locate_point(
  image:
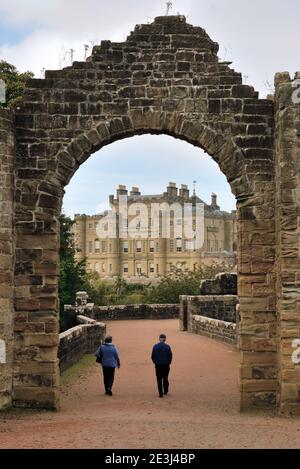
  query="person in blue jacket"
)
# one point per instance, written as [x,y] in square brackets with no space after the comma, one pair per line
[162,359]
[107,354]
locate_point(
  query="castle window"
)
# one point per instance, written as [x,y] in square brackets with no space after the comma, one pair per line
[125,247]
[125,268]
[152,268]
[104,247]
[139,246]
[90,247]
[179,245]
[97,246]
[152,246]
[139,269]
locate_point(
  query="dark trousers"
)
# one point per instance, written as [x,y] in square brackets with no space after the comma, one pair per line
[108,376]
[162,374]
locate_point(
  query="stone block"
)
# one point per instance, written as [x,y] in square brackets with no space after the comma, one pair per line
[36,397]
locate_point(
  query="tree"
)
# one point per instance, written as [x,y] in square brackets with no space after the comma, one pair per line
[72,273]
[95,288]
[173,285]
[15,83]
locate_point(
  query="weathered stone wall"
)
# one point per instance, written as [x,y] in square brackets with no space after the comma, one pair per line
[287,100]
[128,312]
[7,161]
[223,284]
[220,307]
[213,328]
[165,79]
[79,340]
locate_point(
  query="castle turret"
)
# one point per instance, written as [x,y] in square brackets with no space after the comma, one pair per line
[214,202]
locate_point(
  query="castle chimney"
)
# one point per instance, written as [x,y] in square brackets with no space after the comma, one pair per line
[135,191]
[184,192]
[214,202]
[172,189]
[122,190]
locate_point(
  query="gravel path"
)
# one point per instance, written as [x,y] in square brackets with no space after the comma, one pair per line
[200,412]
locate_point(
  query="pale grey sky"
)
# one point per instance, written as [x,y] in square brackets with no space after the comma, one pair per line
[260,37]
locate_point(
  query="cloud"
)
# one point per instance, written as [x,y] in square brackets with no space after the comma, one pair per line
[41,49]
[77,18]
[57,26]
[259,36]
[149,162]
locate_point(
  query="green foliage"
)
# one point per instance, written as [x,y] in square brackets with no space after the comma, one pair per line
[117,293]
[173,285]
[134,299]
[15,83]
[120,286]
[168,291]
[95,288]
[72,273]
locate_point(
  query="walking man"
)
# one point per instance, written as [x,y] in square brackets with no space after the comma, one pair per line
[107,354]
[162,359]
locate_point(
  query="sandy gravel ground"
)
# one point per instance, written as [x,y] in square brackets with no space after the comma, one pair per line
[200,412]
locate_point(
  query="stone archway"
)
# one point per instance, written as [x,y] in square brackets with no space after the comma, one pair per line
[165,79]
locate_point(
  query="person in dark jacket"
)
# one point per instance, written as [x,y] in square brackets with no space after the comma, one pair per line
[108,356]
[162,359]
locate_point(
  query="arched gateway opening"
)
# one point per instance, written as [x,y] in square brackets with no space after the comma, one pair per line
[165,79]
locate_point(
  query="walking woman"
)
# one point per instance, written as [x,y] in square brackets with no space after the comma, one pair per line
[107,354]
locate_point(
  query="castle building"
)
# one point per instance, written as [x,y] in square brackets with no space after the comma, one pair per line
[152,255]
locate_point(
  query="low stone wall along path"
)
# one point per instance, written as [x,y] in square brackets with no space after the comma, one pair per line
[200,412]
